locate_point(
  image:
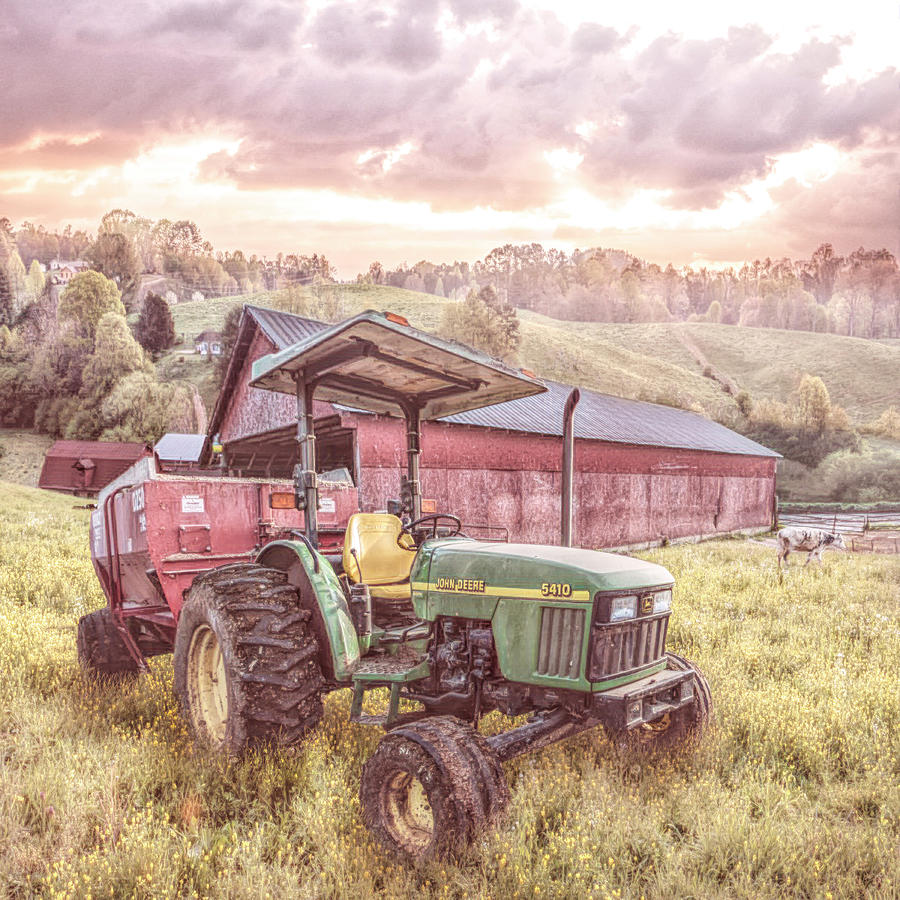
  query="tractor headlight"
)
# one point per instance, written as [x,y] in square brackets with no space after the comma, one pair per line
[623,608]
[662,601]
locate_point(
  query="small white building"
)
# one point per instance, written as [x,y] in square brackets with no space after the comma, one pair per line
[208,343]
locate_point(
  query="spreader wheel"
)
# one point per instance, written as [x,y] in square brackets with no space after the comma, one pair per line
[101,649]
[246,669]
[432,787]
[674,729]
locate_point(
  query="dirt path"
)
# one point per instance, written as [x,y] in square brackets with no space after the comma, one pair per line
[687,342]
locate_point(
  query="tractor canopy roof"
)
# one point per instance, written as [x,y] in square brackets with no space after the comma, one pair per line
[378,362]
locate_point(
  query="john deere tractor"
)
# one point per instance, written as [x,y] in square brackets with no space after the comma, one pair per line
[453,628]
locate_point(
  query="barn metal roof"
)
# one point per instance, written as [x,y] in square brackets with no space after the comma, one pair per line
[175,447]
[597,417]
[602,417]
[284,329]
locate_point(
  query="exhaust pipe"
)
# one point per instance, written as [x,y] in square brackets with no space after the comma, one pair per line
[568,466]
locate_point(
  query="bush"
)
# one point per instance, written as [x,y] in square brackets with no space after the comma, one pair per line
[886,425]
[805,445]
[861,477]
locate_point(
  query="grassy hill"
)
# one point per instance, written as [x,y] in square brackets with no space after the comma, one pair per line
[22,455]
[657,362]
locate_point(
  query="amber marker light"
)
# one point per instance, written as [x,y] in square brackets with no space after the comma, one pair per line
[282,500]
[396,319]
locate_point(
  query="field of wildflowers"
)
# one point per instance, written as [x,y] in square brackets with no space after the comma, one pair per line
[794,792]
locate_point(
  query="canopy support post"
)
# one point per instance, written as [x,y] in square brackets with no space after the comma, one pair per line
[306,487]
[412,494]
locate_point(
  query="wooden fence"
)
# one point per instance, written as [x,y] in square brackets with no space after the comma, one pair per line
[860,530]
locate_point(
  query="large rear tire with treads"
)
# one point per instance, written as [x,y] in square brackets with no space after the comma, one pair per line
[246,661]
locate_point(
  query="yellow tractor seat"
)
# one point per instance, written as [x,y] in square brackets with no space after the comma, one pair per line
[383,555]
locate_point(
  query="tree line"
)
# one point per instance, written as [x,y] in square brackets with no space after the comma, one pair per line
[127,246]
[856,295]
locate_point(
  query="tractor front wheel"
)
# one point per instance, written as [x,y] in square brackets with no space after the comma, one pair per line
[674,729]
[246,669]
[430,788]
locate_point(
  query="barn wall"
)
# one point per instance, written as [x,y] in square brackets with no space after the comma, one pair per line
[624,494]
[252,411]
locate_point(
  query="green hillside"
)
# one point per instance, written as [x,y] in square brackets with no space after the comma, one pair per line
[661,362]
[22,455]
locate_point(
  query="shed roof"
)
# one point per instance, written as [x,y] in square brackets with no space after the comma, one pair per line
[96,450]
[379,361]
[66,461]
[175,447]
[597,417]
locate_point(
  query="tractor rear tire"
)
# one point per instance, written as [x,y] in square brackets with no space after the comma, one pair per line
[431,788]
[677,729]
[101,650]
[246,663]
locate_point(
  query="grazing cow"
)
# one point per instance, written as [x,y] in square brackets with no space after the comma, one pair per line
[810,539]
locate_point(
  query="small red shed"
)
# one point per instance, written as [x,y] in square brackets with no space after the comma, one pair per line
[644,473]
[84,467]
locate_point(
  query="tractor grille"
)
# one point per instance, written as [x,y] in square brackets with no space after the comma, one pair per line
[620,648]
[562,633]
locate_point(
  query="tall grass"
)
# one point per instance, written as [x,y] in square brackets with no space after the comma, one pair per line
[793,793]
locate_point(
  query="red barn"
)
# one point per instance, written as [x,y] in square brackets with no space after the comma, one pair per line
[84,467]
[644,473]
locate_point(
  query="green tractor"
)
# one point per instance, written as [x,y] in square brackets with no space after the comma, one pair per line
[456,628]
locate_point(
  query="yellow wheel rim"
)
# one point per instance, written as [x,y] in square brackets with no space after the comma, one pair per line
[649,730]
[207,685]
[408,813]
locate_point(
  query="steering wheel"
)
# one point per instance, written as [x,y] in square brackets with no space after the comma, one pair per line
[434,519]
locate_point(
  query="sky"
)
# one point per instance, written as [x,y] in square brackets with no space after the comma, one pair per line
[697,134]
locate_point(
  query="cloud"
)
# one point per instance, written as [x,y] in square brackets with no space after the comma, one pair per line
[484,94]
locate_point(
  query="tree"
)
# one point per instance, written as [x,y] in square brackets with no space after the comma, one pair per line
[88,297]
[7,296]
[813,403]
[484,322]
[139,408]
[116,354]
[820,272]
[155,329]
[34,282]
[114,256]
[229,338]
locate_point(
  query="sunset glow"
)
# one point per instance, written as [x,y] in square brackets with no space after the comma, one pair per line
[441,130]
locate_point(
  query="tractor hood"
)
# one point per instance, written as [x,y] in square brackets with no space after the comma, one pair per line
[378,362]
[528,571]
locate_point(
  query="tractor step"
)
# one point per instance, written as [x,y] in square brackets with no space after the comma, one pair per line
[390,669]
[385,671]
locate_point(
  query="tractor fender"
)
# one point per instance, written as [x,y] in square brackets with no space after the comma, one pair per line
[321,593]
